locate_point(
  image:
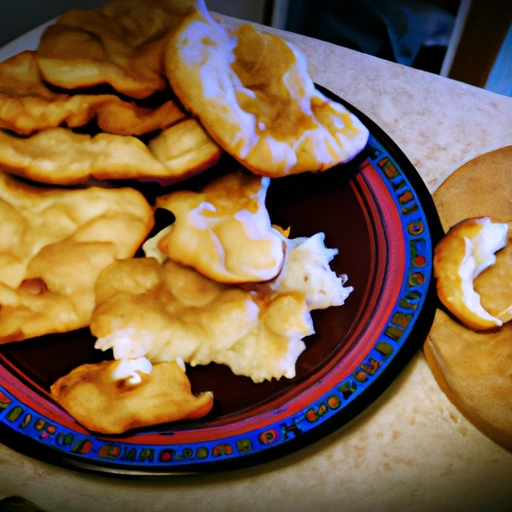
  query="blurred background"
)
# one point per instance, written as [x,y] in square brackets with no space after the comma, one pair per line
[467,40]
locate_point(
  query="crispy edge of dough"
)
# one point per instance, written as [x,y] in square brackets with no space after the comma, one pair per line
[164,390]
[58,156]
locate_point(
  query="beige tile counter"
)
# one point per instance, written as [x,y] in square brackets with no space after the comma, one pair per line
[412,449]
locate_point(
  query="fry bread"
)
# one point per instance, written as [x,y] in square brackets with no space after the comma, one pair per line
[120,44]
[474,368]
[224,232]
[254,96]
[60,156]
[167,312]
[28,105]
[53,245]
[103,404]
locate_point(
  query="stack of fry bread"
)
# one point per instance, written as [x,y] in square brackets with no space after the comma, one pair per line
[160,91]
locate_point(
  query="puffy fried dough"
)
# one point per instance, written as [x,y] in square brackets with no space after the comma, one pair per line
[167,312]
[120,44]
[101,403]
[53,245]
[124,118]
[185,149]
[494,285]
[254,96]
[60,156]
[474,368]
[468,250]
[224,232]
[475,372]
[28,105]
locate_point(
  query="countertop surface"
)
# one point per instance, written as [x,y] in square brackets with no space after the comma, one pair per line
[411,449]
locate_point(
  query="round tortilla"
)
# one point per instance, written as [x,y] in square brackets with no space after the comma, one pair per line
[475,369]
[479,188]
[475,372]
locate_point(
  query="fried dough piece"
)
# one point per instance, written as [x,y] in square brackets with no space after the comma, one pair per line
[475,372]
[474,368]
[126,118]
[168,312]
[254,96]
[482,188]
[104,404]
[468,250]
[224,232]
[493,285]
[120,44]
[60,156]
[53,245]
[28,105]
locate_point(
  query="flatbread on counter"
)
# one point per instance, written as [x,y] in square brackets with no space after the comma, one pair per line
[479,188]
[224,231]
[474,368]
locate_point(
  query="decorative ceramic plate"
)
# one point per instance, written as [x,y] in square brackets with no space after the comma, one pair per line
[378,213]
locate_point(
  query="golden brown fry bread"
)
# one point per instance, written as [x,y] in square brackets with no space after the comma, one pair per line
[475,372]
[167,312]
[224,232]
[60,156]
[494,285]
[469,249]
[27,105]
[103,404]
[474,368]
[254,96]
[53,245]
[185,149]
[120,44]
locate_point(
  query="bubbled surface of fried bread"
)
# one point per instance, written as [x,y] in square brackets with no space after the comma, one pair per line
[224,231]
[471,366]
[120,44]
[106,405]
[53,245]
[59,156]
[253,94]
[167,312]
